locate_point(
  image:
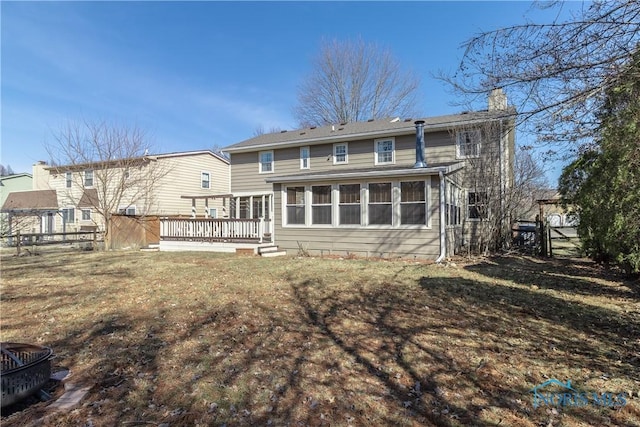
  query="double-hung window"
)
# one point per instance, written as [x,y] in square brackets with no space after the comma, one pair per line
[349,206]
[68,179]
[468,143]
[304,158]
[205,179]
[413,203]
[477,205]
[321,204]
[88,178]
[266,161]
[68,215]
[380,205]
[86,214]
[340,153]
[295,205]
[384,151]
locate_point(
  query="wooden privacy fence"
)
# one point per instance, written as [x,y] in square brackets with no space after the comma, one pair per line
[134,231]
[214,229]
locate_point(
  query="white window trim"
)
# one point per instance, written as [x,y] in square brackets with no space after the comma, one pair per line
[375,151]
[69,208]
[202,173]
[477,137]
[346,153]
[215,213]
[308,158]
[285,216]
[364,206]
[68,179]
[273,161]
[82,211]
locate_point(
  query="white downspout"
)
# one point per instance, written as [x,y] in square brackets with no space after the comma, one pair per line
[443,229]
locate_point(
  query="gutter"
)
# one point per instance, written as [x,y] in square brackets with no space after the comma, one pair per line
[443,230]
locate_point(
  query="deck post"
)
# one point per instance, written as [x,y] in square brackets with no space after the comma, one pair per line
[261,229]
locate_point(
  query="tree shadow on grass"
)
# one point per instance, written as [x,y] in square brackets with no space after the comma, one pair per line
[580,277]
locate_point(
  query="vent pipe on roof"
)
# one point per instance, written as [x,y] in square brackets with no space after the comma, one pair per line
[420,163]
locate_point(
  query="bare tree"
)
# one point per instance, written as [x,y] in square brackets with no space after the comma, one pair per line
[354,81]
[500,182]
[110,168]
[555,72]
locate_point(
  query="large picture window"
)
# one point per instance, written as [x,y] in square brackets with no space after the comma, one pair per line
[413,206]
[380,203]
[295,205]
[321,204]
[349,206]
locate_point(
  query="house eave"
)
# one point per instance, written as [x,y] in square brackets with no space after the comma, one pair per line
[358,174]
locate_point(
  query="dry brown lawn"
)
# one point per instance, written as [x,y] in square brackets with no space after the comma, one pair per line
[199,339]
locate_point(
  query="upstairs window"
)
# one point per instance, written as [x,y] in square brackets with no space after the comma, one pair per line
[380,204]
[340,154]
[295,205]
[88,178]
[468,144]
[384,151]
[321,204]
[349,206]
[266,162]
[304,158]
[205,180]
[413,203]
[68,179]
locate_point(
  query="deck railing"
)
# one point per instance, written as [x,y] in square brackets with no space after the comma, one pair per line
[214,229]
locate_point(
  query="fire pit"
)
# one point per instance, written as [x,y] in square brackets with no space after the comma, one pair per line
[26,368]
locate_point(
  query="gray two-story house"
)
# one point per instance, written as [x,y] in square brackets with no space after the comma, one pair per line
[382,188]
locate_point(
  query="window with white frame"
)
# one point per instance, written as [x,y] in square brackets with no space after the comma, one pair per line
[384,151]
[349,206]
[477,205]
[245,206]
[86,214]
[295,205]
[205,180]
[468,143]
[266,161]
[340,153]
[380,207]
[413,203]
[88,178]
[304,158]
[68,215]
[213,213]
[127,210]
[321,204]
[68,177]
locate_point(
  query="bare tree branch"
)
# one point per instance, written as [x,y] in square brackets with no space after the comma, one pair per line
[354,81]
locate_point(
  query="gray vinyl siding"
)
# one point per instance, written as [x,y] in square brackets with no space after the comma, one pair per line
[366,241]
[245,176]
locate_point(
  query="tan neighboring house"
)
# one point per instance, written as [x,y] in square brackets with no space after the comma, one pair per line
[9,184]
[382,188]
[179,185]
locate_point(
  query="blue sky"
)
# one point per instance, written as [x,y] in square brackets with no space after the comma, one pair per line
[195,75]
